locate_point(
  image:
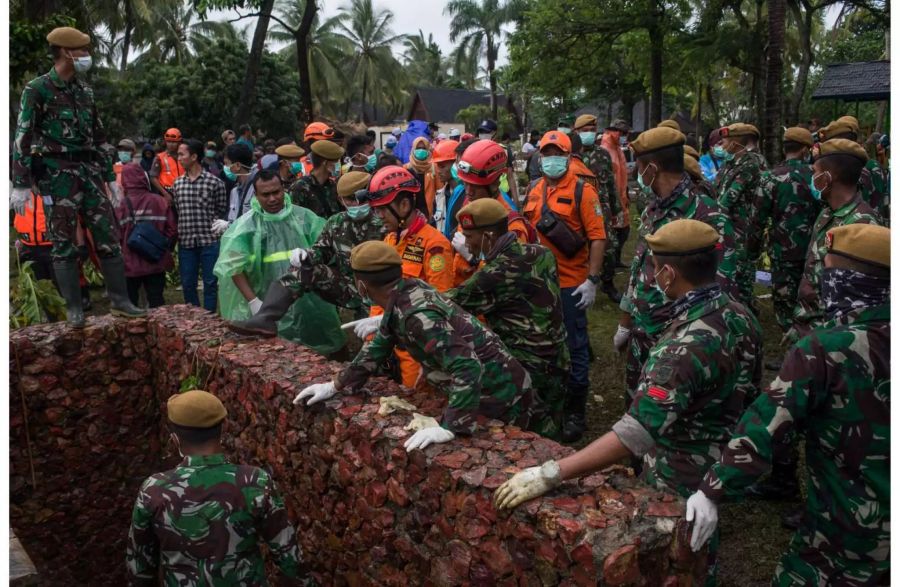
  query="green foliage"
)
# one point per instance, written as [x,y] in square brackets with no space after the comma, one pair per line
[203,6]
[188,383]
[32,301]
[28,52]
[473,115]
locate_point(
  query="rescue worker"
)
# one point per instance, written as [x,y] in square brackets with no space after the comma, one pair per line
[567,215]
[487,130]
[314,131]
[456,199]
[32,239]
[444,159]
[834,387]
[166,168]
[316,191]
[422,167]
[612,142]
[56,153]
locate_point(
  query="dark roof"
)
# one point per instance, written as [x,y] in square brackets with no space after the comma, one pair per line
[859,82]
[442,104]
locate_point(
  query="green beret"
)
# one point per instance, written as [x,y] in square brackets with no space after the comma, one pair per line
[867,243]
[373,257]
[352,182]
[327,150]
[842,147]
[195,409]
[68,38]
[290,151]
[683,237]
[481,213]
[656,139]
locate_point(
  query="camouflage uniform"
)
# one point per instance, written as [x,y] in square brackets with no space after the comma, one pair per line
[647,305]
[57,153]
[875,189]
[458,355]
[202,523]
[739,186]
[598,161]
[835,387]
[808,313]
[517,292]
[320,198]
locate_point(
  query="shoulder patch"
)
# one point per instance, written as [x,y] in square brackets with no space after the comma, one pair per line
[658,393]
[437,263]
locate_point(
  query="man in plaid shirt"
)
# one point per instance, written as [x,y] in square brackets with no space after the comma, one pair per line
[200,199]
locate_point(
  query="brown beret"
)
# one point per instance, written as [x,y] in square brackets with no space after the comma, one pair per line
[838,127]
[683,237]
[843,147]
[740,129]
[374,256]
[798,134]
[127,144]
[327,150]
[290,151]
[850,121]
[866,243]
[351,182]
[68,38]
[689,150]
[481,213]
[669,124]
[584,120]
[692,166]
[656,139]
[195,409]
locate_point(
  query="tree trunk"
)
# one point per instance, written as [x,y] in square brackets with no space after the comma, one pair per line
[492,78]
[248,89]
[362,101]
[774,71]
[711,99]
[656,63]
[302,40]
[126,41]
[698,127]
[804,24]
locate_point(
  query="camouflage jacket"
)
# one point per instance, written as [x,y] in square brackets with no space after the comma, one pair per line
[203,522]
[834,386]
[740,192]
[792,209]
[320,198]
[705,369]
[598,161]
[646,304]
[458,354]
[809,312]
[57,117]
[875,189]
[517,292]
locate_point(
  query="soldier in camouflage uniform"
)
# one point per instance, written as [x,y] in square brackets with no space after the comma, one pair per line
[317,190]
[683,412]
[57,153]
[835,387]
[202,522]
[516,291]
[739,186]
[835,180]
[645,310]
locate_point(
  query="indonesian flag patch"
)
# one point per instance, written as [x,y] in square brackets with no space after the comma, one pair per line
[658,393]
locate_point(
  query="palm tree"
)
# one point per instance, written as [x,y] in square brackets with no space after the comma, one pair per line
[170,32]
[424,61]
[482,27]
[464,63]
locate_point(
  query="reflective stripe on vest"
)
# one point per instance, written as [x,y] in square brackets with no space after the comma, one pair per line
[31,226]
[167,176]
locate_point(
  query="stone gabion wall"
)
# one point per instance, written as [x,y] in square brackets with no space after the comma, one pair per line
[367,512]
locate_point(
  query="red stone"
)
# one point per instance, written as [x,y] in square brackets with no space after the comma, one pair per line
[670,509]
[621,567]
[495,556]
[453,460]
[569,530]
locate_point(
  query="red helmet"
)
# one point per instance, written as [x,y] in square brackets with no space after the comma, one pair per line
[173,134]
[444,151]
[390,181]
[482,163]
[317,131]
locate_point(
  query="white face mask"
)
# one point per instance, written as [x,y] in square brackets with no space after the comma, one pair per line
[81,64]
[177,444]
[662,290]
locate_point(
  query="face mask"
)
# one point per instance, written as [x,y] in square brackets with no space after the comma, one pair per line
[82,64]
[421,154]
[371,162]
[719,152]
[296,168]
[177,444]
[588,138]
[364,294]
[359,212]
[646,188]
[816,192]
[656,282]
[124,156]
[554,166]
[231,175]
[485,136]
[623,141]
[210,154]
[336,171]
[454,172]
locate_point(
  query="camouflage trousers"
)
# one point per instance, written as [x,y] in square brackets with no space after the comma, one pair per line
[746,277]
[804,565]
[786,276]
[610,254]
[550,389]
[77,191]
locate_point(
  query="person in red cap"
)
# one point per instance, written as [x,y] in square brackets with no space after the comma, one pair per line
[166,168]
[443,157]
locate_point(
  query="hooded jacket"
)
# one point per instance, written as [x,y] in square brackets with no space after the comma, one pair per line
[148,207]
[415,129]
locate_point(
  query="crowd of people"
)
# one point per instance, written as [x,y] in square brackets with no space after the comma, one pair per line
[459,282]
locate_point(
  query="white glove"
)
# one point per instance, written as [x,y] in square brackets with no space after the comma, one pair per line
[426,436]
[364,326]
[317,392]
[114,191]
[704,513]
[255,304]
[218,227]
[528,484]
[18,199]
[587,291]
[459,245]
[620,338]
[298,256]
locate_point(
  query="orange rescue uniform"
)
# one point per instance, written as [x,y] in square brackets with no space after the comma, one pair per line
[169,170]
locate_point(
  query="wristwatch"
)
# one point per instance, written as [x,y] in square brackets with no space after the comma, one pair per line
[595,279]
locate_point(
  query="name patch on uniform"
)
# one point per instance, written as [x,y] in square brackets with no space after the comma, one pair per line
[597,210]
[658,393]
[414,253]
[437,263]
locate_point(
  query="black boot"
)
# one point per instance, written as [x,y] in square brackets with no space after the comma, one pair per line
[86,298]
[782,484]
[574,423]
[609,288]
[114,276]
[67,279]
[265,323]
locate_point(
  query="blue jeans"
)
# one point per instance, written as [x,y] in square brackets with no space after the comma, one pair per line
[190,262]
[576,338]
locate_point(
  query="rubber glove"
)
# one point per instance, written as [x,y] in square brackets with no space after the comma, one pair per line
[704,513]
[528,484]
[18,199]
[255,304]
[587,291]
[426,436]
[317,392]
[219,227]
[364,326]
[620,338]
[459,245]
[114,191]
[298,256]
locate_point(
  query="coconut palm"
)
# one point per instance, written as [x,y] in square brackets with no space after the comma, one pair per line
[424,62]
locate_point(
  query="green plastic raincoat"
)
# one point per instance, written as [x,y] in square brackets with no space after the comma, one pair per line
[258,244]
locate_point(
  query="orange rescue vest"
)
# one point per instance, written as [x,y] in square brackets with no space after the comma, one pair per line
[169,170]
[32,225]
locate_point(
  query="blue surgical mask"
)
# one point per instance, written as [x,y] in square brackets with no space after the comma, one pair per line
[719,152]
[210,154]
[296,167]
[336,171]
[231,175]
[454,172]
[370,164]
[656,283]
[421,154]
[588,138]
[554,166]
[124,156]
[816,192]
[359,212]
[646,188]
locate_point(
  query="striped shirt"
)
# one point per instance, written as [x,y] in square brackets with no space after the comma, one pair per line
[198,203]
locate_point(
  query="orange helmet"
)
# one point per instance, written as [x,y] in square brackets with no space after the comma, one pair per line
[560,139]
[390,181]
[316,131]
[444,151]
[173,134]
[482,163]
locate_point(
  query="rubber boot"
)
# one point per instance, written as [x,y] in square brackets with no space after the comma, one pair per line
[67,280]
[265,323]
[574,423]
[113,269]
[86,298]
[782,484]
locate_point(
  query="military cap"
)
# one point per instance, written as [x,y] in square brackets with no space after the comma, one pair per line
[127,144]
[481,213]
[619,124]
[798,134]
[838,127]
[351,182]
[669,124]
[683,237]
[374,256]
[68,38]
[692,166]
[850,121]
[195,409]
[656,139]
[843,147]
[740,129]
[584,120]
[866,243]
[290,151]
[327,150]
[692,152]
